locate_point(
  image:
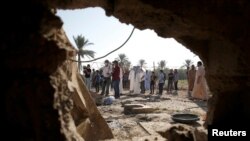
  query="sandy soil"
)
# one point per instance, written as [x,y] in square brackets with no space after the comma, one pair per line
[144,126]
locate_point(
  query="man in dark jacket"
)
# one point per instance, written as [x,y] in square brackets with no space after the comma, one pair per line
[116,79]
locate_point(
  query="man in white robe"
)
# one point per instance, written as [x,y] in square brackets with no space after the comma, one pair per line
[200,87]
[131,79]
[121,79]
[137,81]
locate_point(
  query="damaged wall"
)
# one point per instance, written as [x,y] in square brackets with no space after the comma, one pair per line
[43,94]
[215,30]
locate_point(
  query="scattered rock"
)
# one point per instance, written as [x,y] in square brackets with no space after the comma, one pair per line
[144,109]
[98,99]
[200,134]
[178,132]
[137,109]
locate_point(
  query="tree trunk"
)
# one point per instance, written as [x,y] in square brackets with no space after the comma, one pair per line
[79,63]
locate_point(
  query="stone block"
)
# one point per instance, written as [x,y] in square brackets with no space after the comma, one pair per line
[137,109]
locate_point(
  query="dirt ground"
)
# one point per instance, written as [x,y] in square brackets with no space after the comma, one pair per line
[144,126]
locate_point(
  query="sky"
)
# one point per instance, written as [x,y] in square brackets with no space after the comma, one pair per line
[108,33]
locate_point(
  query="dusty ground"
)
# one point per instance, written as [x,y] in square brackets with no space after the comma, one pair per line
[144,126]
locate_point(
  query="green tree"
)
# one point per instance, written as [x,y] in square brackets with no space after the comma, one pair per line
[81,43]
[124,61]
[182,74]
[127,65]
[122,58]
[142,62]
[162,64]
[187,63]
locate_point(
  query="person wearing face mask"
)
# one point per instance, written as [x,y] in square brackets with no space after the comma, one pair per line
[106,72]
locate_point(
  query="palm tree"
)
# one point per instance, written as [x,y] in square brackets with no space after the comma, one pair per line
[82,42]
[162,64]
[122,58]
[142,62]
[127,65]
[187,63]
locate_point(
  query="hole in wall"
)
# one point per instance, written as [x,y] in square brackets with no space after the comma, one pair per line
[105,34]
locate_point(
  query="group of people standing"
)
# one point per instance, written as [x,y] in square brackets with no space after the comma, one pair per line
[138,80]
[111,73]
[141,81]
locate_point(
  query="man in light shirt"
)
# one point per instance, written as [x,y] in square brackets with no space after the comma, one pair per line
[161,82]
[106,72]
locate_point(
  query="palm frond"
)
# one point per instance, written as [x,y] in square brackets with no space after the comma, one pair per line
[187,63]
[85,52]
[162,64]
[142,62]
[81,42]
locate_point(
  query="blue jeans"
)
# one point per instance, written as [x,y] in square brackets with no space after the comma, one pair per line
[116,88]
[161,88]
[105,85]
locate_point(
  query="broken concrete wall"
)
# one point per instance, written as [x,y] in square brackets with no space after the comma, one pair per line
[41,89]
[217,31]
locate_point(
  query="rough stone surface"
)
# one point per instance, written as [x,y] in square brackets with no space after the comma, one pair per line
[179,132]
[182,132]
[144,109]
[28,59]
[215,30]
[42,88]
[200,134]
[137,109]
[98,99]
[128,108]
[127,127]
